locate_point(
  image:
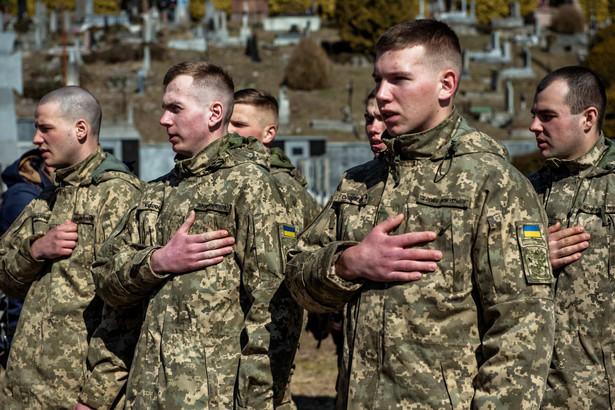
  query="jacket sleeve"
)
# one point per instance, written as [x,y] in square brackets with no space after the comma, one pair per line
[110,354]
[272,324]
[310,272]
[112,345]
[513,276]
[18,268]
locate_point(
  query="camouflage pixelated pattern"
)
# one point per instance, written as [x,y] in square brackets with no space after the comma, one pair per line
[579,192]
[293,186]
[224,336]
[47,362]
[477,332]
[301,206]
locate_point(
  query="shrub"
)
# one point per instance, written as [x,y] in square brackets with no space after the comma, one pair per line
[601,59]
[308,67]
[568,20]
[488,10]
[197,10]
[362,22]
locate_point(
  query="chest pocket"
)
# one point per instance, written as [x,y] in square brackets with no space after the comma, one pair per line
[447,217]
[212,217]
[356,217]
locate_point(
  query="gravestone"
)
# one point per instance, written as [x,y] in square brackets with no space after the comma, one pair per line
[10,80]
[147,60]
[182,13]
[244,31]
[66,21]
[510,98]
[514,20]
[72,68]
[283,107]
[520,72]
[149,29]
[494,53]
[83,8]
[53,22]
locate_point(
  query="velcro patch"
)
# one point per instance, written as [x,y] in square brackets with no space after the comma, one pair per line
[83,219]
[531,231]
[289,231]
[440,201]
[211,206]
[535,253]
[349,198]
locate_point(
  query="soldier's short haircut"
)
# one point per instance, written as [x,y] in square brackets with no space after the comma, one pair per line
[76,103]
[261,99]
[213,81]
[441,43]
[584,90]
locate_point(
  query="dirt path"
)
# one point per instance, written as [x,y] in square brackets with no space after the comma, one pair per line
[313,384]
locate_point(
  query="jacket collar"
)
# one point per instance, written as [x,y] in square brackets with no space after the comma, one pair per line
[583,165]
[426,143]
[224,152]
[79,174]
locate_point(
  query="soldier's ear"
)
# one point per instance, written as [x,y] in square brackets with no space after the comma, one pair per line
[81,127]
[216,114]
[269,134]
[448,85]
[590,118]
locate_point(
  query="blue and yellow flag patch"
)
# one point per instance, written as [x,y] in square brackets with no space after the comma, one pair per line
[288,231]
[531,231]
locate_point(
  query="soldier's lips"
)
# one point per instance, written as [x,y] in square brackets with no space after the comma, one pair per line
[390,117]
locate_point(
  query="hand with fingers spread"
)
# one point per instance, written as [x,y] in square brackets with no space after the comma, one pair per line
[188,252]
[381,257]
[565,245]
[57,242]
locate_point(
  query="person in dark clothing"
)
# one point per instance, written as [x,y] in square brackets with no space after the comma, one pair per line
[25,180]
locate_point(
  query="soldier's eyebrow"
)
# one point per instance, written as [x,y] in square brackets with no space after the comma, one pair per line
[543,111]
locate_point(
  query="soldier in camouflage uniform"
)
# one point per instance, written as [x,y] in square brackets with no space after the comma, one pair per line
[46,253]
[220,331]
[577,188]
[476,331]
[255,114]
[374,125]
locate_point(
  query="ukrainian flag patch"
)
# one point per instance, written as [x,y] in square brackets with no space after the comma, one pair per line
[531,231]
[288,231]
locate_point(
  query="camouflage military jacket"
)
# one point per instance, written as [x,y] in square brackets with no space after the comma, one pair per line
[582,192]
[477,332]
[224,336]
[293,186]
[47,363]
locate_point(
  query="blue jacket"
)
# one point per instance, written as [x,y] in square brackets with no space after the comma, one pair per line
[25,180]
